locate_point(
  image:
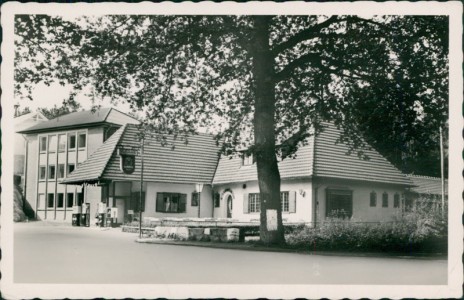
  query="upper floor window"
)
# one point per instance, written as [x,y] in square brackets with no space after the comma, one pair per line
[51,172]
[43,144]
[82,141]
[61,171]
[71,168]
[42,172]
[52,143]
[385,199]
[61,142]
[396,200]
[72,141]
[373,201]
[248,159]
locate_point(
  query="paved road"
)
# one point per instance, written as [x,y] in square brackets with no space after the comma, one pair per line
[47,253]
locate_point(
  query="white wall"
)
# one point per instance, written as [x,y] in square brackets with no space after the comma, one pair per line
[153,188]
[362,211]
[303,211]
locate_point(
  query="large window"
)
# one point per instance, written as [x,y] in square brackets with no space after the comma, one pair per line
[285,201]
[43,144]
[42,172]
[171,202]
[253,203]
[71,168]
[72,141]
[69,199]
[82,140]
[52,143]
[51,200]
[51,171]
[396,200]
[60,200]
[61,171]
[385,199]
[339,203]
[373,199]
[62,142]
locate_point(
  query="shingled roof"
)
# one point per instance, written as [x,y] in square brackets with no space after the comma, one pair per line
[91,170]
[427,185]
[81,119]
[194,162]
[323,158]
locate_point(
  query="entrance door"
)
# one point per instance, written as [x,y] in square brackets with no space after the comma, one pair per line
[229,206]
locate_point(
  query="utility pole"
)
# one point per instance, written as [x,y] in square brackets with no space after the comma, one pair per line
[442,168]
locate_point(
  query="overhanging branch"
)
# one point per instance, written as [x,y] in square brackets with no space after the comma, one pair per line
[313,58]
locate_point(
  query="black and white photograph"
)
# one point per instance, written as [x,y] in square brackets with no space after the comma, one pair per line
[232,150]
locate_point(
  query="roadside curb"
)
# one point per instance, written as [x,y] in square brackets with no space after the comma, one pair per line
[251,247]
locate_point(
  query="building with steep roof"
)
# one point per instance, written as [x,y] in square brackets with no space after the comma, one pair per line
[54,149]
[322,180]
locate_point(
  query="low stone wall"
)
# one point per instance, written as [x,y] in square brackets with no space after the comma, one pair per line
[190,233]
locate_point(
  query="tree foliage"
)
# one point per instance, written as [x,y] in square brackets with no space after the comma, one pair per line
[383,78]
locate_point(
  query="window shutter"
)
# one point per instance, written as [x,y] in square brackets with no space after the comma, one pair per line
[182,202]
[159,202]
[292,202]
[245,203]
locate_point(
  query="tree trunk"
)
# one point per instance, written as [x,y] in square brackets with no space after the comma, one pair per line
[271,227]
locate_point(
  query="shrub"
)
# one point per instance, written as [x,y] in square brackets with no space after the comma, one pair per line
[419,230]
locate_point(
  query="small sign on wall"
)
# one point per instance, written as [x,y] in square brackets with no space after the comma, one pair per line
[127,160]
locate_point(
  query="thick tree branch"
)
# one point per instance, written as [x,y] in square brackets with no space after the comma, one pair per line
[303,35]
[313,58]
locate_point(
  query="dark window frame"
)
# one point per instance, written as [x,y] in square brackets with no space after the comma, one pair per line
[285,201]
[168,205]
[385,199]
[331,202]
[44,177]
[43,144]
[50,200]
[79,135]
[373,199]
[60,201]
[51,172]
[254,204]
[72,141]
[69,198]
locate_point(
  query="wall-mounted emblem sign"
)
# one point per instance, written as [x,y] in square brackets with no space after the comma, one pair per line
[127,160]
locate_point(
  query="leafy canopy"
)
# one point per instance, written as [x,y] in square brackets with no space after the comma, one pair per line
[384,77]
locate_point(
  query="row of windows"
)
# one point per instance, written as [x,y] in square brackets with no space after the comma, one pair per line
[60,200]
[176,202]
[385,201]
[53,172]
[254,204]
[79,140]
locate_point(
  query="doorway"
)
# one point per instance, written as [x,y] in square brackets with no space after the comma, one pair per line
[229,206]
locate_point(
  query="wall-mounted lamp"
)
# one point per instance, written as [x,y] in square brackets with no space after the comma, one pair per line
[302,192]
[244,186]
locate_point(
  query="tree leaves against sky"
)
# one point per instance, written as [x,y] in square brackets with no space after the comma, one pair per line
[384,78]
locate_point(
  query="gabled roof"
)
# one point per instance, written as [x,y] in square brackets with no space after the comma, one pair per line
[427,185]
[323,158]
[331,160]
[29,119]
[194,162]
[91,170]
[81,119]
